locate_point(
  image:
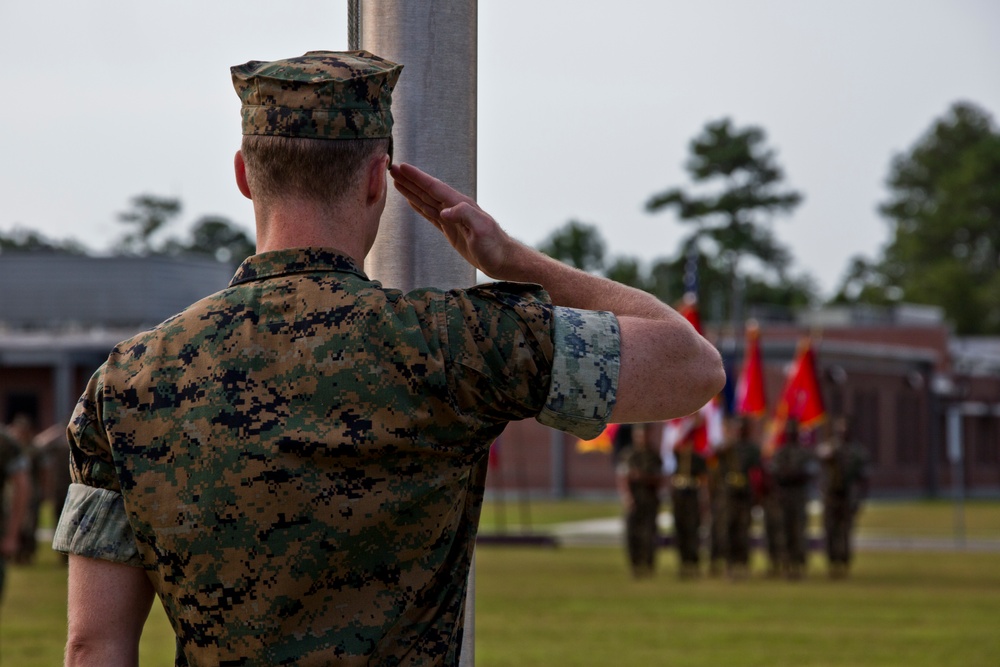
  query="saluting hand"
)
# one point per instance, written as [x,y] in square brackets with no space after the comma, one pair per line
[468,228]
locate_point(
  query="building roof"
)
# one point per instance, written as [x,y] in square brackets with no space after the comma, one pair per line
[57,291]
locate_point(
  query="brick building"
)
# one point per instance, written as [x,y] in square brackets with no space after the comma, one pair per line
[898,373]
[906,381]
[60,315]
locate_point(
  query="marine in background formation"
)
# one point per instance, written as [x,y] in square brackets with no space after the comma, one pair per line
[739,464]
[686,497]
[793,467]
[845,465]
[640,475]
[15,495]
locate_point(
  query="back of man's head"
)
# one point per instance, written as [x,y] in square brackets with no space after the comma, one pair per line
[312,123]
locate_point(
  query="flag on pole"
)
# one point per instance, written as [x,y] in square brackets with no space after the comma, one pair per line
[750,398]
[801,398]
[802,395]
[703,428]
[689,311]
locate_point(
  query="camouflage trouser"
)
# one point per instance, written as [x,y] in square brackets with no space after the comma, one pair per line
[687,523]
[640,536]
[738,507]
[793,522]
[838,520]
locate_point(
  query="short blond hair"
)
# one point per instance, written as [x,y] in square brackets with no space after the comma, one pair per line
[319,170]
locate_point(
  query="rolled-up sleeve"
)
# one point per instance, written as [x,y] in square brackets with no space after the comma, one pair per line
[585,367]
[94,524]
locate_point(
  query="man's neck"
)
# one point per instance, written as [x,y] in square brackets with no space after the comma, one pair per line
[302,224]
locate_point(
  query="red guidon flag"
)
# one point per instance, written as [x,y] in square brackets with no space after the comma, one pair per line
[689,311]
[703,428]
[750,400]
[802,395]
[801,398]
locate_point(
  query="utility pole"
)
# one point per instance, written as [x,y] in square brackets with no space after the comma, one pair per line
[434,116]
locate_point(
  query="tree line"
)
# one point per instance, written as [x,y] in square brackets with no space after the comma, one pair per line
[943,212]
[143,234]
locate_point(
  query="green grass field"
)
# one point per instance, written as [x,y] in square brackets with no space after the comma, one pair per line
[578,606]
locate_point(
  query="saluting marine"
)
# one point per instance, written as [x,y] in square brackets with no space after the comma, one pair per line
[295,465]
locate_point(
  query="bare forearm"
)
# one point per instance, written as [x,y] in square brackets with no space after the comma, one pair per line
[570,287]
[668,369]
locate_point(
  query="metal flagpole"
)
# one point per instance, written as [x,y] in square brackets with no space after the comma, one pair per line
[434,113]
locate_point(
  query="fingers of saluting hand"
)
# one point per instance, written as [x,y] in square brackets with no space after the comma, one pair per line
[429,209]
[422,181]
[428,195]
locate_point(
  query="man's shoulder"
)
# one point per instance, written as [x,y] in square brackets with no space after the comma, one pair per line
[506,296]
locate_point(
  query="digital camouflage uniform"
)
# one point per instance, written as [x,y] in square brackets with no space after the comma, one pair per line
[845,480]
[13,460]
[643,468]
[792,469]
[770,504]
[718,514]
[736,464]
[298,461]
[301,457]
[685,485]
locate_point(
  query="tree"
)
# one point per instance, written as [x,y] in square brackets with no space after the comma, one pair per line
[220,238]
[149,214]
[577,244]
[865,282]
[669,279]
[944,213]
[731,221]
[627,271]
[20,239]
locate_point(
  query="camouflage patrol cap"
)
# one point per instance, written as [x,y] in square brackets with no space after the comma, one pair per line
[321,95]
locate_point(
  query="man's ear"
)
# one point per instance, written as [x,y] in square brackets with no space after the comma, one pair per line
[377,179]
[241,175]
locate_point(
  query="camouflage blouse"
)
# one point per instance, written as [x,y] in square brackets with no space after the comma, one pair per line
[298,460]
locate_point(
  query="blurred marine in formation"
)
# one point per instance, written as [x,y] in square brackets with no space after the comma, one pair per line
[717,511]
[793,467]
[640,475]
[15,494]
[686,493]
[739,464]
[845,465]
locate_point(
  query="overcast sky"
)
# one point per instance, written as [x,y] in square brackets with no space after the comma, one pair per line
[105,100]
